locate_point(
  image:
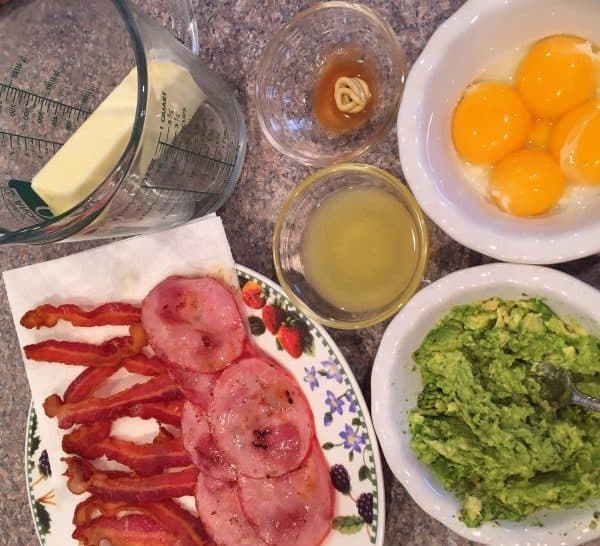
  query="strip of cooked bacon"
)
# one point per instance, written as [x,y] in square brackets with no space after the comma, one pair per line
[92,441]
[80,472]
[163,435]
[93,507]
[157,389]
[172,517]
[87,382]
[144,365]
[107,354]
[168,413]
[84,440]
[121,486]
[168,514]
[114,313]
[145,459]
[130,530]
[91,378]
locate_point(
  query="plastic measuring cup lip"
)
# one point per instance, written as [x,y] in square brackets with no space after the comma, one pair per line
[69,222]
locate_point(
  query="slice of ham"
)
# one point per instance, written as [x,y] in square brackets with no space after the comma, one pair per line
[196,387]
[200,446]
[260,418]
[194,323]
[219,509]
[295,509]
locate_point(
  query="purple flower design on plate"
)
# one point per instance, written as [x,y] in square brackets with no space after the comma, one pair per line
[353,406]
[333,370]
[311,378]
[336,405]
[352,440]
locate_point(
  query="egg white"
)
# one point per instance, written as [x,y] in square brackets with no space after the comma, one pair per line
[503,68]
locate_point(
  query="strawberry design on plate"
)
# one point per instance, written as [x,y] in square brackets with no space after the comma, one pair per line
[273,317]
[291,334]
[253,295]
[294,339]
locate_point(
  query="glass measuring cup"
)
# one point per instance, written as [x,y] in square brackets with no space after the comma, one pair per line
[108,125]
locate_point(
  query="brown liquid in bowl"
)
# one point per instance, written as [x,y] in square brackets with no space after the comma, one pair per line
[350,62]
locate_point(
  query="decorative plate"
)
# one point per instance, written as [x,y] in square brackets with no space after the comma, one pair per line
[341,417]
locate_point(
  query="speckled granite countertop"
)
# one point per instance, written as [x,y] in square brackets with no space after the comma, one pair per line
[234,32]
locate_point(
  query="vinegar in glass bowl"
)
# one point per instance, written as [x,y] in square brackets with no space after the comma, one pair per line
[360,248]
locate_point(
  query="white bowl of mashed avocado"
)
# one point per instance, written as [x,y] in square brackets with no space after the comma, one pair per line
[460,417]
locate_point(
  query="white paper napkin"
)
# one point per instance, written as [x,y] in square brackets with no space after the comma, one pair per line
[121,271]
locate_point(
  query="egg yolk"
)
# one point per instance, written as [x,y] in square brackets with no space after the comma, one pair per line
[575,143]
[526,183]
[557,74]
[489,122]
[539,137]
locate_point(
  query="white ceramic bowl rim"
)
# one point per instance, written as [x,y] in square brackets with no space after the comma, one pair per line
[389,402]
[514,246]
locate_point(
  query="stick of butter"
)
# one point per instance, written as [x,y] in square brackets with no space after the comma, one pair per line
[93,151]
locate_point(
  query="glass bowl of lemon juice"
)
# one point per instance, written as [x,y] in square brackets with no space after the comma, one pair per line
[350,246]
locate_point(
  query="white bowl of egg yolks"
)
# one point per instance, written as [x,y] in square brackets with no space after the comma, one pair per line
[486,40]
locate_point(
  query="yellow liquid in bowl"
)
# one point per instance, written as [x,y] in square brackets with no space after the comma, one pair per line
[360,249]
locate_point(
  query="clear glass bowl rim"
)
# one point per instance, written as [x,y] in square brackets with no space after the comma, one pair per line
[397,52]
[420,224]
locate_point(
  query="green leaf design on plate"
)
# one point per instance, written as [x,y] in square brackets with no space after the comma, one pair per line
[348,525]
[327,445]
[356,422]
[363,473]
[351,456]
[43,518]
[34,443]
[309,343]
[257,326]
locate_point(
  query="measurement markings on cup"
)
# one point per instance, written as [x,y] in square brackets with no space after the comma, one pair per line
[176,154]
[33,101]
[29,144]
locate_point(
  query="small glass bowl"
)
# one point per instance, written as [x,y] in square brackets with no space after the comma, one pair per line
[289,69]
[288,238]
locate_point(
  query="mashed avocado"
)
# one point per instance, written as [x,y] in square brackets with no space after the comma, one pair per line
[481,423]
